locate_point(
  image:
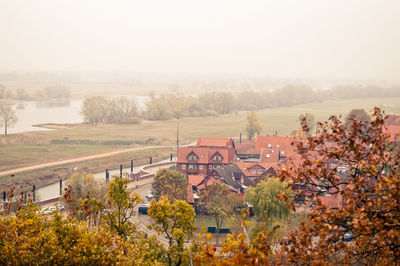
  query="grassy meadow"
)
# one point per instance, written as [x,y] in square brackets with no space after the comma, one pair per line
[84,139]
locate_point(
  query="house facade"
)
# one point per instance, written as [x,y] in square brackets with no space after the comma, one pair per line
[207,155]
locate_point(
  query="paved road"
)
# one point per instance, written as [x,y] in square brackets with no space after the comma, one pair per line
[75,160]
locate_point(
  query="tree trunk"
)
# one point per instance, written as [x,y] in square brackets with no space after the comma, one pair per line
[5,128]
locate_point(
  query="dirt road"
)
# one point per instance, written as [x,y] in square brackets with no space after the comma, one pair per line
[75,160]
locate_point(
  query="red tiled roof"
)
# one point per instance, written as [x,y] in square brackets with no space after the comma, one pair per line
[274,142]
[246,148]
[194,180]
[205,155]
[332,201]
[393,132]
[246,167]
[392,120]
[214,142]
[392,127]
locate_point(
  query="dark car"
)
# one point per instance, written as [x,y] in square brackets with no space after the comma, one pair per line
[143,208]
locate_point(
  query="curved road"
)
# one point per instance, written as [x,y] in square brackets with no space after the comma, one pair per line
[75,160]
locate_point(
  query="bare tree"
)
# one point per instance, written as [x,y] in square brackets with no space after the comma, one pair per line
[8,117]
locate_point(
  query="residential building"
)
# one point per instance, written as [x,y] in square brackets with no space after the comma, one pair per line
[208,154]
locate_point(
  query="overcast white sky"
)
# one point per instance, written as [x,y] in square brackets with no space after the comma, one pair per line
[299,39]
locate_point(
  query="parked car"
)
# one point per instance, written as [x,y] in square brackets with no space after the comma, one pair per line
[348,237]
[143,208]
[46,211]
[149,197]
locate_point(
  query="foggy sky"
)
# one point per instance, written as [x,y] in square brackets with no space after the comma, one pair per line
[300,39]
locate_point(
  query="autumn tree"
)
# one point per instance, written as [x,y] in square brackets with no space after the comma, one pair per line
[271,200]
[176,222]
[30,238]
[253,125]
[120,110]
[360,168]
[310,121]
[121,207]
[218,201]
[79,187]
[171,184]
[358,115]
[94,110]
[8,117]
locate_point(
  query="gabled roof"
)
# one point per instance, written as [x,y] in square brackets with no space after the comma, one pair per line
[230,175]
[215,142]
[194,180]
[204,154]
[246,167]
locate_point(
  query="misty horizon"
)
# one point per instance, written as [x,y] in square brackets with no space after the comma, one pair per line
[318,40]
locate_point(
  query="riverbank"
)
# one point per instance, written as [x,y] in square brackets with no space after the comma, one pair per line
[58,126]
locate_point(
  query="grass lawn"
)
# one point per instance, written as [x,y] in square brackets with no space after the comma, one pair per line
[209,221]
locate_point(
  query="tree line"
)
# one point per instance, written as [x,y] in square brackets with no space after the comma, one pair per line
[20,94]
[178,105]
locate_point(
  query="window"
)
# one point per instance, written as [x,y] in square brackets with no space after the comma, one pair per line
[217,158]
[201,155]
[267,155]
[277,145]
[260,171]
[282,152]
[210,167]
[269,145]
[215,166]
[192,166]
[201,167]
[183,166]
[192,158]
[253,171]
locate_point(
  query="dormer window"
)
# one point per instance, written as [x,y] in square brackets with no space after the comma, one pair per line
[201,155]
[267,155]
[260,171]
[277,145]
[192,157]
[253,171]
[217,158]
[269,146]
[282,152]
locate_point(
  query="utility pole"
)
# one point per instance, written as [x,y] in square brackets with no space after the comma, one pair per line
[177,135]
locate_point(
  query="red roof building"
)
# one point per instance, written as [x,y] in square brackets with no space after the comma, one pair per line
[267,149]
[208,154]
[392,127]
[255,170]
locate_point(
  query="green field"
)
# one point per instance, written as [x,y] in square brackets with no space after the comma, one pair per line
[107,137]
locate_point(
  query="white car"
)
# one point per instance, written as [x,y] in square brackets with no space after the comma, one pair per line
[46,211]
